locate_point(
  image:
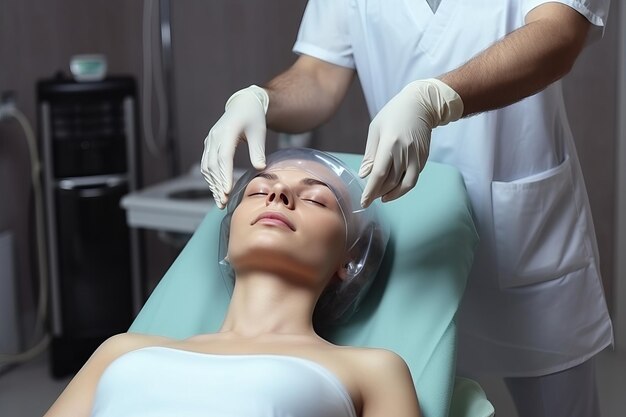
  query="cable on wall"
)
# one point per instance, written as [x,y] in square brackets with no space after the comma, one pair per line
[8,111]
[156,143]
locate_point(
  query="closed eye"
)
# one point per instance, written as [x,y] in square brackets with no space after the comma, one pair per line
[314,201]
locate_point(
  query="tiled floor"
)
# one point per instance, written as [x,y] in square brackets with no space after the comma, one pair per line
[28,391]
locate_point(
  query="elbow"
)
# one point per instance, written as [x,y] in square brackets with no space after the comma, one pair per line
[559,59]
[570,47]
[563,65]
[563,33]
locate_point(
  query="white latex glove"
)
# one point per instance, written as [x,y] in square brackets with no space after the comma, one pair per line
[398,140]
[243,120]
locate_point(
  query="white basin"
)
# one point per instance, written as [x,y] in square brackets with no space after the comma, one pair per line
[176,205]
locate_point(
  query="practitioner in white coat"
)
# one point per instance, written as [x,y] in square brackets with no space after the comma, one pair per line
[534,312]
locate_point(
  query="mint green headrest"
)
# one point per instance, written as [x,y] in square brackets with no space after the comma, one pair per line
[409,309]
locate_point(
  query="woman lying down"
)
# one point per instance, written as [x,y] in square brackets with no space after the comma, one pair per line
[298,247]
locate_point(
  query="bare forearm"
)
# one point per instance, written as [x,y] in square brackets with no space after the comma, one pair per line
[522,63]
[306,95]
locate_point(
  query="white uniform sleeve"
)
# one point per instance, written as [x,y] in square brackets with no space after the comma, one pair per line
[596,11]
[324,33]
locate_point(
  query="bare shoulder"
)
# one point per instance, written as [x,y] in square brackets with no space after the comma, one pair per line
[76,400]
[385,383]
[378,360]
[125,342]
[116,346]
[370,366]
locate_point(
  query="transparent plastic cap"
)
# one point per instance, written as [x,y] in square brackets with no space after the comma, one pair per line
[366,232]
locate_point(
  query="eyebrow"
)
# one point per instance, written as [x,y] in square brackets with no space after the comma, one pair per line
[304,181]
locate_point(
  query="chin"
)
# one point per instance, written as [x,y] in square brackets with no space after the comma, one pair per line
[280,261]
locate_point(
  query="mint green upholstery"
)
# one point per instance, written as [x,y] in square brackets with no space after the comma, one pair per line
[410,308]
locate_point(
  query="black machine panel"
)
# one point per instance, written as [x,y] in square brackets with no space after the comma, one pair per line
[88,145]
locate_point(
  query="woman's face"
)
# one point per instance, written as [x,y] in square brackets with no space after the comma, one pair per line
[288,222]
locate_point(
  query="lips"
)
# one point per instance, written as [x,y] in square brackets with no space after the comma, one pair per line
[274,217]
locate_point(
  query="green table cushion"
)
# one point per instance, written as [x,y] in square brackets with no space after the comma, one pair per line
[410,308]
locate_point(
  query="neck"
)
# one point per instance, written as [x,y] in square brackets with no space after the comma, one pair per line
[265,304]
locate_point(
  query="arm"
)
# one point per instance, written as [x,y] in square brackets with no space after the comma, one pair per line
[77,398]
[522,63]
[306,95]
[388,388]
[519,65]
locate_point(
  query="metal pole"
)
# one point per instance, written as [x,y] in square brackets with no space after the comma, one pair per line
[166,62]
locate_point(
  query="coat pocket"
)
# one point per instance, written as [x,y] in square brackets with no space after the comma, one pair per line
[540,228]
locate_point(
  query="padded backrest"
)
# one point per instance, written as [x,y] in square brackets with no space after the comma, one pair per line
[410,308]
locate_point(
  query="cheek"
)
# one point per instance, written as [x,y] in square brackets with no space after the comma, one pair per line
[330,232]
[338,228]
[235,233]
[339,234]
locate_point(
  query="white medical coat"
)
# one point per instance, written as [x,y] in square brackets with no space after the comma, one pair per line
[534,303]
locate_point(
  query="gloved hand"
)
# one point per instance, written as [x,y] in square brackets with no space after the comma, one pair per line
[243,120]
[398,140]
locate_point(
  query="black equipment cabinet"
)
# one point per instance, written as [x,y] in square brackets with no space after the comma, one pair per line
[88,141]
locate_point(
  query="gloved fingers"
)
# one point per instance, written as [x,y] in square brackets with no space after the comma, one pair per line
[225,179]
[211,181]
[381,171]
[209,165]
[216,196]
[408,181]
[422,150]
[222,178]
[204,162]
[400,157]
[213,167]
[256,146]
[209,156]
[243,119]
[371,147]
[225,155]
[390,159]
[373,184]
[396,157]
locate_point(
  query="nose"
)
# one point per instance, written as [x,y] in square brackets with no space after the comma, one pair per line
[280,194]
